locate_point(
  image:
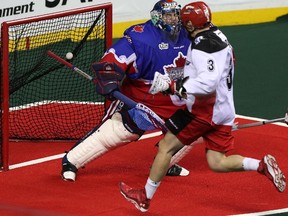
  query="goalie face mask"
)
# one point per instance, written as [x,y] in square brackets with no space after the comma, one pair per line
[165,15]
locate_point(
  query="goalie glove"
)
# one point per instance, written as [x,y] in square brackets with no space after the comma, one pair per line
[162,83]
[108,77]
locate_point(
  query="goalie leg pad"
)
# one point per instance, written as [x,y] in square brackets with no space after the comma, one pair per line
[110,135]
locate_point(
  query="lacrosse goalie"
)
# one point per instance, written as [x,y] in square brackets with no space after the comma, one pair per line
[129,65]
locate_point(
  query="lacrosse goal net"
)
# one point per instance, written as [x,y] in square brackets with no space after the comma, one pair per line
[41,99]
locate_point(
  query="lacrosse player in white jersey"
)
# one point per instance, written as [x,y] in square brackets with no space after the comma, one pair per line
[208,90]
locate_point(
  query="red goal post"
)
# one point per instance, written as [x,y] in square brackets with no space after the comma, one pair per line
[40,98]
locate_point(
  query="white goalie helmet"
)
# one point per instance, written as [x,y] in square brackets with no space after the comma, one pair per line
[166,16]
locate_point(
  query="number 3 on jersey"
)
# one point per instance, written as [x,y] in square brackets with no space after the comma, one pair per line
[229,78]
[211,65]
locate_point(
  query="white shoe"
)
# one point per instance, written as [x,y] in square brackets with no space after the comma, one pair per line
[177,170]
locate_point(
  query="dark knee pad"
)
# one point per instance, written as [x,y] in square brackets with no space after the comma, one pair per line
[179,120]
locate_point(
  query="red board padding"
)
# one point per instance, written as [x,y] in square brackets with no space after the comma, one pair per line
[38,189]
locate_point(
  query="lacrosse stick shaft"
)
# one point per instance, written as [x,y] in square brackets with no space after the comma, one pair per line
[68,64]
[130,103]
[254,124]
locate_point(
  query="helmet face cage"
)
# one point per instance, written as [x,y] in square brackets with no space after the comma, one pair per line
[198,13]
[158,14]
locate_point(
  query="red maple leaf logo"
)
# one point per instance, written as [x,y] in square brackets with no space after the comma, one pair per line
[178,62]
[175,70]
[138,28]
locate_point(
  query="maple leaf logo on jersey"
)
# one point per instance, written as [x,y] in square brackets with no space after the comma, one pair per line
[138,28]
[175,71]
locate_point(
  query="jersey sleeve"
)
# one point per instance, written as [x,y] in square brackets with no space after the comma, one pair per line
[132,53]
[122,53]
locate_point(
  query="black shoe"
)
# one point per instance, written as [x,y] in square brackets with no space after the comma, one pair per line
[68,170]
[177,170]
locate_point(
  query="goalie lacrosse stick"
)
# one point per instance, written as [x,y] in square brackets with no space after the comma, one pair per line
[142,115]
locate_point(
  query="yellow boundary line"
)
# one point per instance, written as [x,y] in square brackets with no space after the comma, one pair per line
[237,17]
[31,42]
[232,18]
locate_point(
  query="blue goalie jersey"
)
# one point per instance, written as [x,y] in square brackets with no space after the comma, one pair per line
[143,50]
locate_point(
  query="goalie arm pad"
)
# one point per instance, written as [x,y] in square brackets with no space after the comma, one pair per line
[108,77]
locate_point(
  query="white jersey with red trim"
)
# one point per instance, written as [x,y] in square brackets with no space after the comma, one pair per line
[210,67]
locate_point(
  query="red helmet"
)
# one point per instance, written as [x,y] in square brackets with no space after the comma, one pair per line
[198,13]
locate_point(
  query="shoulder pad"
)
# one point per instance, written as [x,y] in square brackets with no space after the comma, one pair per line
[209,42]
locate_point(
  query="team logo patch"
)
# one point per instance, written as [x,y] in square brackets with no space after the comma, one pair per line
[138,28]
[163,46]
[128,38]
[198,39]
[175,71]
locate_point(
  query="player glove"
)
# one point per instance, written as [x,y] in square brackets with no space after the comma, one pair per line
[108,77]
[162,83]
